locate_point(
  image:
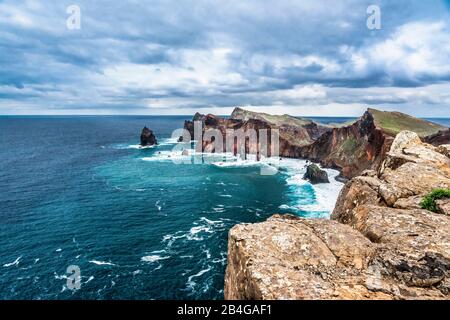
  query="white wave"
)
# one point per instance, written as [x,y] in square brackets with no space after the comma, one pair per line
[14,263]
[166,155]
[158,267]
[168,141]
[222,260]
[194,231]
[324,195]
[190,284]
[200,273]
[89,279]
[158,206]
[239,164]
[154,258]
[138,146]
[211,222]
[132,146]
[60,277]
[159,251]
[102,263]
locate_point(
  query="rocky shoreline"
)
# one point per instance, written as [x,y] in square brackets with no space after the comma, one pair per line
[379,243]
[351,149]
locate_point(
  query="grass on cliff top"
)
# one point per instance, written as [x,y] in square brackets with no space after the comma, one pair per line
[277,120]
[394,122]
[429,201]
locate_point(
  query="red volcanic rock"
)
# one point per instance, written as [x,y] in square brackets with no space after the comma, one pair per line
[352,149]
[293,133]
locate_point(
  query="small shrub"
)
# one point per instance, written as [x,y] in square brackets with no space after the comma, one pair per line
[429,201]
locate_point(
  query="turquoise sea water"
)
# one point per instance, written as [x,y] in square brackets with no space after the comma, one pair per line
[78,191]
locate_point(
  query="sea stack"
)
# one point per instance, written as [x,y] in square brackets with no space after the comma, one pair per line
[148,138]
[316,175]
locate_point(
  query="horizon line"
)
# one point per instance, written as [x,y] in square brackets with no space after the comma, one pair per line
[179,115]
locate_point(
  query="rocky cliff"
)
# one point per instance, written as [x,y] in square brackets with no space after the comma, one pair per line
[363,145]
[379,244]
[293,132]
[351,149]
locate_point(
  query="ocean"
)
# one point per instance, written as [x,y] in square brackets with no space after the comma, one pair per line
[77,191]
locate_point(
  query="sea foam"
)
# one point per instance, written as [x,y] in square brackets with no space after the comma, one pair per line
[102,263]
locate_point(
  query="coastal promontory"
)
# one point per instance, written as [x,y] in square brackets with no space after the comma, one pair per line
[380,243]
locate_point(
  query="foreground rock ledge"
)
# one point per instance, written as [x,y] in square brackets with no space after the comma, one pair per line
[379,245]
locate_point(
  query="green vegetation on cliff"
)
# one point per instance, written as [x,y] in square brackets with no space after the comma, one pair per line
[429,201]
[278,120]
[394,122]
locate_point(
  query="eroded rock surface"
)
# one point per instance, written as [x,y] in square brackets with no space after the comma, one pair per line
[148,137]
[379,244]
[287,257]
[316,175]
[351,148]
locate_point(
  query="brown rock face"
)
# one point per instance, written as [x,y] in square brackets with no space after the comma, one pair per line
[363,145]
[351,149]
[443,206]
[287,257]
[292,132]
[379,245]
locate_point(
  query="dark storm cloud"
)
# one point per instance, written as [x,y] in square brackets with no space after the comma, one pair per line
[142,54]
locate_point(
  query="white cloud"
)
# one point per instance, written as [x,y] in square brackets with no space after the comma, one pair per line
[175,56]
[415,50]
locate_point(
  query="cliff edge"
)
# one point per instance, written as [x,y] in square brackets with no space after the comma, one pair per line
[363,144]
[379,244]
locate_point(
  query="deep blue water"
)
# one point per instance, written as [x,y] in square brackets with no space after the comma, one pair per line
[76,191]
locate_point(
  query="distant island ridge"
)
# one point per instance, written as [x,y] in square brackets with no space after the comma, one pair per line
[351,147]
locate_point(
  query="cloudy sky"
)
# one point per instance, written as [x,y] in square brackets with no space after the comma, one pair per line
[300,57]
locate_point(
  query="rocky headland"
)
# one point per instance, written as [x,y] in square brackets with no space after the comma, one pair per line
[378,244]
[350,148]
